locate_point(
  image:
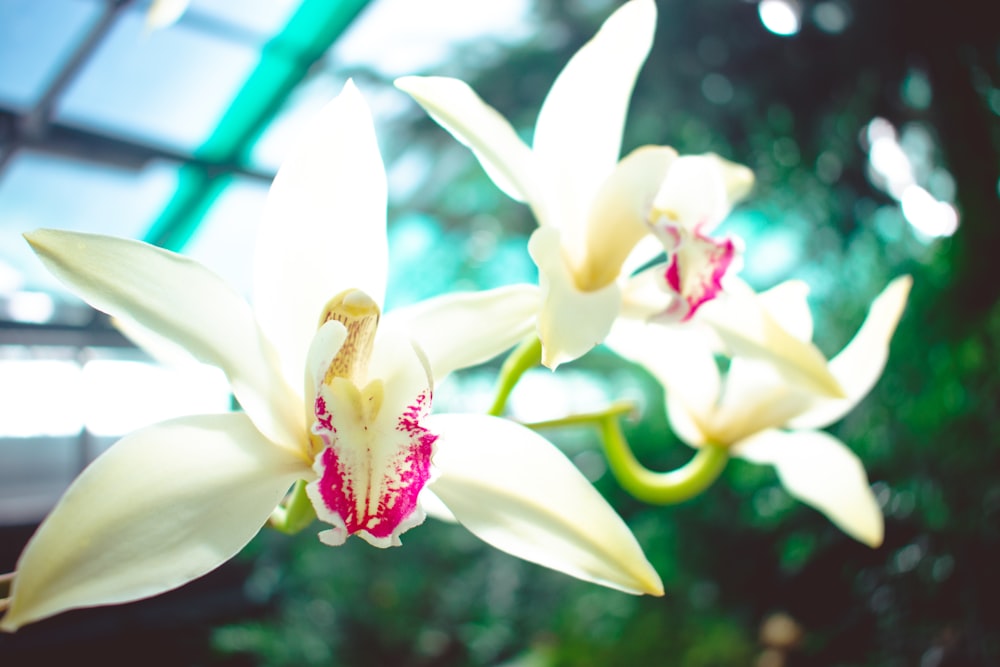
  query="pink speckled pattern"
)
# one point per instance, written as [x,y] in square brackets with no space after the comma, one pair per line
[368,492]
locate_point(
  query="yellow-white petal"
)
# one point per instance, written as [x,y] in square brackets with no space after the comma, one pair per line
[161,507]
[323,229]
[571,322]
[821,471]
[176,298]
[459,110]
[860,364]
[516,491]
[578,135]
[618,218]
[467,328]
[746,327]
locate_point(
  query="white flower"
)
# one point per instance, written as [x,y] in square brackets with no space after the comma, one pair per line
[175,500]
[593,210]
[763,416]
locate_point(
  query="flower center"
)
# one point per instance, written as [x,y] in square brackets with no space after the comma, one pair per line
[371,454]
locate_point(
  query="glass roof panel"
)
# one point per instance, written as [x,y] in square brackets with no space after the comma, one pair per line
[39,190]
[265,18]
[167,87]
[35,38]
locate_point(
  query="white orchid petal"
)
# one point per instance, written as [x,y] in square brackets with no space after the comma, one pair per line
[821,471]
[458,109]
[788,304]
[860,364]
[516,491]
[571,322]
[755,397]
[579,130]
[161,507]
[433,506]
[464,329]
[677,356]
[693,194]
[323,228]
[746,327]
[618,217]
[685,422]
[176,298]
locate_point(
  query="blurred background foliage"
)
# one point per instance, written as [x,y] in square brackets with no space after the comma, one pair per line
[752,576]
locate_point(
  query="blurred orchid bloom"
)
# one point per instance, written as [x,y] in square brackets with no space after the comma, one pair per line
[763,417]
[164,13]
[175,500]
[592,209]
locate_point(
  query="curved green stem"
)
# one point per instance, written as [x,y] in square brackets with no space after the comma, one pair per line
[657,488]
[660,488]
[524,357]
[295,513]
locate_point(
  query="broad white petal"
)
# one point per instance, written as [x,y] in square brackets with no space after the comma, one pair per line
[579,131]
[746,327]
[571,321]
[516,491]
[458,109]
[161,507]
[821,471]
[179,299]
[323,229]
[618,218]
[467,328]
[860,364]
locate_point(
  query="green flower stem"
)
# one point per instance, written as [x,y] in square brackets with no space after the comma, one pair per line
[295,513]
[657,488]
[524,357]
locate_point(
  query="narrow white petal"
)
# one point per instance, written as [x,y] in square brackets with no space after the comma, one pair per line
[821,471]
[459,110]
[467,328]
[571,321]
[161,507]
[579,131]
[178,299]
[860,364]
[516,491]
[323,229]
[747,328]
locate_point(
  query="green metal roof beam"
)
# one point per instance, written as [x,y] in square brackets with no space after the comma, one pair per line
[284,62]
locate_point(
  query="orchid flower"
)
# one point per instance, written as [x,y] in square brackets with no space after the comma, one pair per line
[594,212]
[175,500]
[758,414]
